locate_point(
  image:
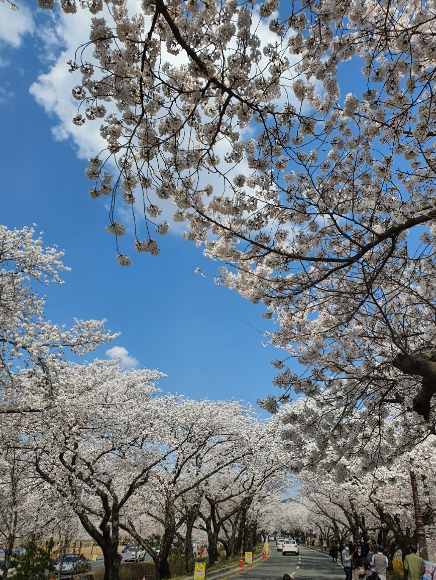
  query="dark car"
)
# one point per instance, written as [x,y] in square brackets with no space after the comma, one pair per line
[73,564]
[12,564]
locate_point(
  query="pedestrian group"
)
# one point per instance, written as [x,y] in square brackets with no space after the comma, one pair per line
[364,561]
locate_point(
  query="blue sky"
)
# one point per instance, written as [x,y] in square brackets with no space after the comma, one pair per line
[207,339]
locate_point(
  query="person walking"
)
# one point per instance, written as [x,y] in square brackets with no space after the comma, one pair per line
[334,552]
[413,565]
[346,562]
[372,551]
[380,562]
[341,548]
[365,546]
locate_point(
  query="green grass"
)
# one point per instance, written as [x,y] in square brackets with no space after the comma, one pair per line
[136,570]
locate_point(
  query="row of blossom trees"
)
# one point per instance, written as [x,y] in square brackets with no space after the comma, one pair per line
[316,193]
[94,444]
[372,479]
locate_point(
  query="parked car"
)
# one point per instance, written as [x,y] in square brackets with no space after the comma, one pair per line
[16,552]
[72,564]
[290,547]
[12,566]
[132,553]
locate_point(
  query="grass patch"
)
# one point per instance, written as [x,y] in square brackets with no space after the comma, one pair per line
[132,571]
[137,570]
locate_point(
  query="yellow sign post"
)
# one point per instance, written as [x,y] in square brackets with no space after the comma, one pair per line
[200,571]
[248,557]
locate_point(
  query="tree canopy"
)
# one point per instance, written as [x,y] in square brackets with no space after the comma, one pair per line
[296,142]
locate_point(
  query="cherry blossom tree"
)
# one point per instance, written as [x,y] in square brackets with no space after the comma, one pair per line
[206,438]
[228,498]
[29,343]
[14,502]
[366,469]
[316,193]
[97,443]
[28,506]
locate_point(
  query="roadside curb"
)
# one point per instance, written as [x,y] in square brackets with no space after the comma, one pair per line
[229,569]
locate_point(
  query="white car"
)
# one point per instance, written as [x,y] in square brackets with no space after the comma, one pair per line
[132,553]
[279,543]
[290,547]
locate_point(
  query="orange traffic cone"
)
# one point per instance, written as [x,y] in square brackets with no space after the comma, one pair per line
[143,578]
[264,555]
[241,562]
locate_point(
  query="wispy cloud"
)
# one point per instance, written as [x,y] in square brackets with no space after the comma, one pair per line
[14,26]
[5,95]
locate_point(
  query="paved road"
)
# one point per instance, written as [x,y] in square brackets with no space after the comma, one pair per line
[310,564]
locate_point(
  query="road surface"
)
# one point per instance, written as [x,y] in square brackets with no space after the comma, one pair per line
[310,564]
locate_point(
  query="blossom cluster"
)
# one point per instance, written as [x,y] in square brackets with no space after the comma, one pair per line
[237,113]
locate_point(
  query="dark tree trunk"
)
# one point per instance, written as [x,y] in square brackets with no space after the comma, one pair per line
[191,517]
[189,554]
[402,539]
[213,548]
[163,566]
[230,541]
[227,548]
[112,561]
[107,539]
[62,550]
[212,538]
[232,546]
[249,534]
[238,545]
[8,553]
[255,535]
[241,542]
[424,366]
[213,528]
[420,530]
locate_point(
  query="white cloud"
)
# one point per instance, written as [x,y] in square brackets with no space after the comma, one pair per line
[15,25]
[122,354]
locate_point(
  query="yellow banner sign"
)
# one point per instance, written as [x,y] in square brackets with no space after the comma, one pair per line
[248,557]
[200,571]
